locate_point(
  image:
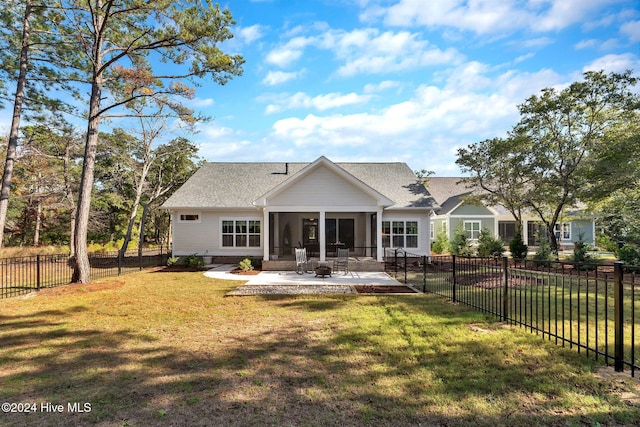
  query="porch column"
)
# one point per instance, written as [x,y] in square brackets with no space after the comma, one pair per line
[323,235]
[265,233]
[379,249]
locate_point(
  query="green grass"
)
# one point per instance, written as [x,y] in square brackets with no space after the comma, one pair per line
[169,348]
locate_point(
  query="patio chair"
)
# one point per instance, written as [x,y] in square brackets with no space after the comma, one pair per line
[342,260]
[302,265]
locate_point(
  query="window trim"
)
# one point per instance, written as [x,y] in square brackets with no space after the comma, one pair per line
[235,234]
[189,221]
[391,236]
[472,221]
[560,232]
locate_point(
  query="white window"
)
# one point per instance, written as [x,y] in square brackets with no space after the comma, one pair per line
[400,234]
[472,229]
[563,231]
[432,231]
[189,217]
[241,233]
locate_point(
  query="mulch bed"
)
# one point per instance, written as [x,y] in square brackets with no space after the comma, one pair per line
[371,289]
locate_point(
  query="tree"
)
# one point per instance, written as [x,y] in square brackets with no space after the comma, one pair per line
[563,131]
[119,40]
[175,162]
[37,50]
[548,161]
[501,168]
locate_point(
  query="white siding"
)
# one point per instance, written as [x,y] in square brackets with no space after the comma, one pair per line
[424,227]
[322,187]
[204,237]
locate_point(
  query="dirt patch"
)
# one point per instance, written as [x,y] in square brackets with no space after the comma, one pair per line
[81,288]
[371,289]
[626,387]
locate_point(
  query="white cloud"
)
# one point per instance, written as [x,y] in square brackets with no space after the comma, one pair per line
[473,105]
[614,63]
[251,34]
[201,102]
[320,102]
[368,51]
[285,55]
[485,16]
[631,30]
[381,87]
[586,44]
[274,78]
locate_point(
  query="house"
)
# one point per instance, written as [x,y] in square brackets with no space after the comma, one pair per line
[264,210]
[455,211]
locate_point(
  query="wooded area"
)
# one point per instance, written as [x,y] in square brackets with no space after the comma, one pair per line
[90,61]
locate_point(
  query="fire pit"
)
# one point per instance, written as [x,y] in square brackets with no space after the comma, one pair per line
[323,270]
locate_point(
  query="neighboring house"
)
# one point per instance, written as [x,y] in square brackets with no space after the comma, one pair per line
[455,212]
[265,210]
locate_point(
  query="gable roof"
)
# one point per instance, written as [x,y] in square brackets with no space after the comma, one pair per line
[238,185]
[341,172]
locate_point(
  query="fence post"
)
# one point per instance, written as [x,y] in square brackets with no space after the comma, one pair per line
[424,273]
[395,261]
[405,267]
[38,271]
[140,260]
[505,292]
[618,300]
[120,255]
[453,276]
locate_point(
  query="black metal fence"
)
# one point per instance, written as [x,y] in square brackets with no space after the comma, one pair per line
[592,308]
[21,275]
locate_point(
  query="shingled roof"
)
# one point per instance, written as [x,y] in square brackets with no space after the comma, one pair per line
[237,185]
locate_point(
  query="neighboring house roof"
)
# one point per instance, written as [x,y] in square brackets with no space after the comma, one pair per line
[448,193]
[240,185]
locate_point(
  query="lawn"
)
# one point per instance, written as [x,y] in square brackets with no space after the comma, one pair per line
[167,348]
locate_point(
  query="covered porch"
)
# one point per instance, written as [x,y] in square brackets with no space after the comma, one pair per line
[321,232]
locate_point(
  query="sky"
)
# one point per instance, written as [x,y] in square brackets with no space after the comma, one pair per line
[399,80]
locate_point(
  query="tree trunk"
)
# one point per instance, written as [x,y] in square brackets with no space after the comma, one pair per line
[82,268]
[143,221]
[36,232]
[69,197]
[15,122]
[134,209]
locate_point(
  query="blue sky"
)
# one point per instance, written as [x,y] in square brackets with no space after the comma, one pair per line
[400,80]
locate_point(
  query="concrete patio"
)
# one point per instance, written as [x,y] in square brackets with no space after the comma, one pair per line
[289,282]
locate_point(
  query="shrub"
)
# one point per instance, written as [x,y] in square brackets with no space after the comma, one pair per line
[605,242]
[488,245]
[581,255]
[459,244]
[441,243]
[193,261]
[544,254]
[517,247]
[172,261]
[629,254]
[246,264]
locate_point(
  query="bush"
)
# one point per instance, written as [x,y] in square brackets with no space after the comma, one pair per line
[193,261]
[629,254]
[172,261]
[605,243]
[581,255]
[459,244]
[441,244]
[246,264]
[488,245]
[544,254]
[517,247]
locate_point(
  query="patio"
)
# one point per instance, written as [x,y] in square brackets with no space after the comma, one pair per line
[291,283]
